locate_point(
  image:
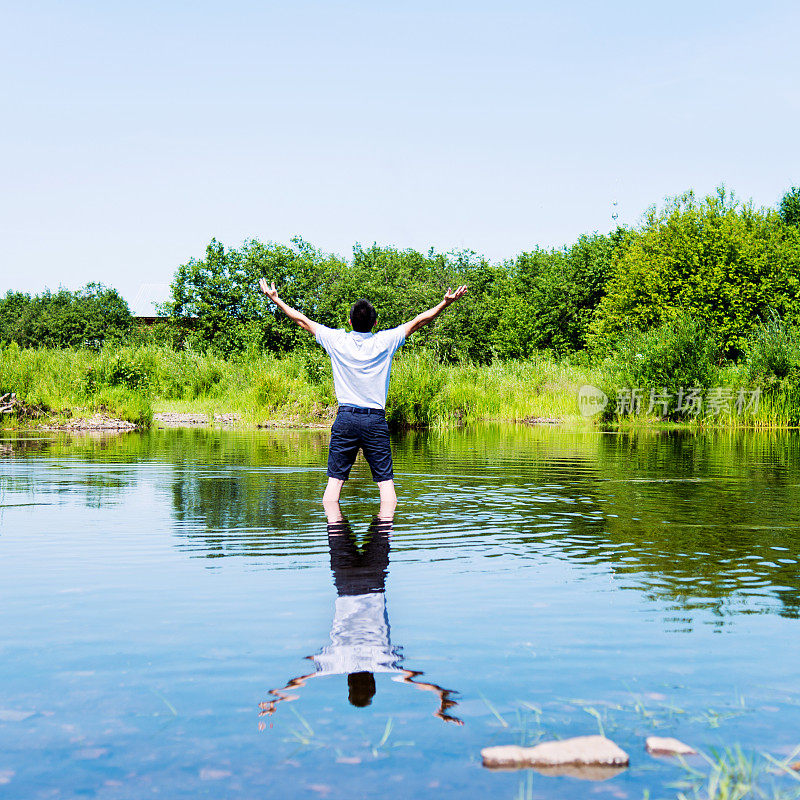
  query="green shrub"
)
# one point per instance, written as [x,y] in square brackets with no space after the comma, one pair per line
[677,355]
[85,318]
[130,368]
[773,355]
[718,260]
[549,298]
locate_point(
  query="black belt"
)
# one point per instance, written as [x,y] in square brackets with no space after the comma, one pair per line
[359,410]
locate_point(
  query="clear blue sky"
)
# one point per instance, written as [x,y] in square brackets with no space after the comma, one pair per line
[132,133]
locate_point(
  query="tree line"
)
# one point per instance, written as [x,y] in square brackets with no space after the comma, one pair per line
[722,262]
[88,317]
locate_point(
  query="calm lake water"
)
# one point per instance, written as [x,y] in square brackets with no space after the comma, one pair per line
[535,583]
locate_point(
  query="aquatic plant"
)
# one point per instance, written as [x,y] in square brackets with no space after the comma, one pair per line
[732,774]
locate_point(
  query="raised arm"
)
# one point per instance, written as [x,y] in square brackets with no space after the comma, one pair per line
[301,319]
[267,707]
[426,316]
[445,702]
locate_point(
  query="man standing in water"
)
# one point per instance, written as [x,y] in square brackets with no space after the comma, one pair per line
[361,362]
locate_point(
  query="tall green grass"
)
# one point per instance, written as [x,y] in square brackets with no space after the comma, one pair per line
[132,382]
[680,355]
[66,383]
[424,392]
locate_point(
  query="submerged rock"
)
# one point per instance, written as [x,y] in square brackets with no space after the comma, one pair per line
[590,757]
[585,772]
[667,746]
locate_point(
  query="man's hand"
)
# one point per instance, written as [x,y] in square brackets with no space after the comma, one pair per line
[301,319]
[451,296]
[268,289]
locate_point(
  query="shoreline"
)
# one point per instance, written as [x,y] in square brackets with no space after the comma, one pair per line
[103,423]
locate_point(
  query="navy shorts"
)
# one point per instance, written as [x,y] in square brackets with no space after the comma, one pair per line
[363,428]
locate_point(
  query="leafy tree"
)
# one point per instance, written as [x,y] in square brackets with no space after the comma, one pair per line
[465,332]
[718,260]
[85,318]
[790,207]
[15,314]
[220,293]
[397,282]
[549,297]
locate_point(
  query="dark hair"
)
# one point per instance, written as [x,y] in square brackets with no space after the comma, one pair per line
[361,688]
[363,316]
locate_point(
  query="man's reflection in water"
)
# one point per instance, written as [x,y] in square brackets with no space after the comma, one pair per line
[360,642]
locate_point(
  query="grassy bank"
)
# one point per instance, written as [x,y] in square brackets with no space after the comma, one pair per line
[132,383]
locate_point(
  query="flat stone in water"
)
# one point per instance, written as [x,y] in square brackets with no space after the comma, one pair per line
[667,746]
[565,757]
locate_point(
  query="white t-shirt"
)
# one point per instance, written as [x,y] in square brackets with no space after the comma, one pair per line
[361,363]
[359,638]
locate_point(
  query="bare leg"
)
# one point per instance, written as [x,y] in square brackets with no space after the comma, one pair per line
[388,499]
[332,511]
[332,490]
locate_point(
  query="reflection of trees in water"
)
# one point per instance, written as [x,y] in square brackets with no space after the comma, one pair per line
[263,484]
[729,528]
[188,456]
[56,478]
[697,521]
[242,512]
